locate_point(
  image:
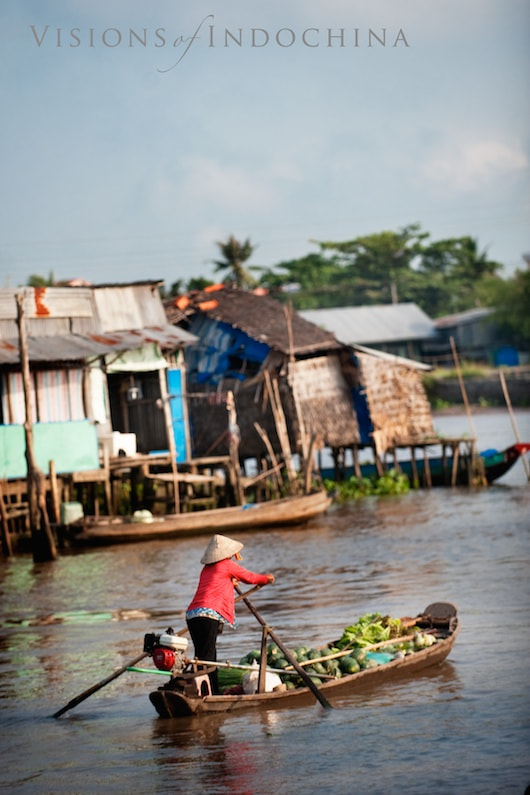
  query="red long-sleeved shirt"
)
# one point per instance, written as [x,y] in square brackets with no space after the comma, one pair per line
[216,590]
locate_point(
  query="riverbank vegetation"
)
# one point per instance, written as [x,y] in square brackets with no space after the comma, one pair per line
[355,488]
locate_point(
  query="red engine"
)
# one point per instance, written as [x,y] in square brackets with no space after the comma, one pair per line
[163,658]
[167,650]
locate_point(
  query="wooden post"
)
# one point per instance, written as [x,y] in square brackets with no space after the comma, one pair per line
[42,540]
[281,428]
[308,464]
[378,464]
[514,424]
[477,463]
[356,464]
[456,452]
[274,461]
[233,447]
[7,549]
[415,478]
[427,469]
[54,489]
[262,677]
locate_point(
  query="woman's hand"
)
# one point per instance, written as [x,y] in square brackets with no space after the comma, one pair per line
[270,578]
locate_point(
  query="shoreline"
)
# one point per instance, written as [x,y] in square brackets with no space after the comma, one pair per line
[459,408]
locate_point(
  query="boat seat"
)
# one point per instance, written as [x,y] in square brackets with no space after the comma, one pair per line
[441,615]
[440,610]
[195,683]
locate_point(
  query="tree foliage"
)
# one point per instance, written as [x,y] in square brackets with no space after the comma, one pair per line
[511,301]
[442,276]
[234,255]
[35,280]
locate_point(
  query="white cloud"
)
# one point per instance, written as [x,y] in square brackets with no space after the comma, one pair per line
[469,163]
[227,186]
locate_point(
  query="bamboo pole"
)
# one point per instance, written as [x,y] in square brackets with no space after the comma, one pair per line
[42,540]
[345,652]
[281,427]
[514,424]
[308,465]
[233,446]
[477,463]
[7,548]
[274,461]
[54,490]
[288,656]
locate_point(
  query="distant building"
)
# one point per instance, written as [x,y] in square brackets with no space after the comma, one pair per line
[477,339]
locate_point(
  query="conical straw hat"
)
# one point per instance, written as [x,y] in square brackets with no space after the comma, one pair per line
[219,548]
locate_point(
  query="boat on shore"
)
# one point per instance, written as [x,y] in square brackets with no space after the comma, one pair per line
[289,511]
[445,471]
[188,694]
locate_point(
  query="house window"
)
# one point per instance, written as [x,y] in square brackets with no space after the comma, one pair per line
[57,397]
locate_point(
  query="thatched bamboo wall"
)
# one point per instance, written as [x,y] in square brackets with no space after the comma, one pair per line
[323,401]
[399,407]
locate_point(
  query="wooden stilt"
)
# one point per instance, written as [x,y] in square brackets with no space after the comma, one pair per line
[356,464]
[274,461]
[43,543]
[281,429]
[427,469]
[454,472]
[54,491]
[7,548]
[308,464]
[414,467]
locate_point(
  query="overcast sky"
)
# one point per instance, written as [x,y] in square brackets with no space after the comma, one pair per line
[137,133]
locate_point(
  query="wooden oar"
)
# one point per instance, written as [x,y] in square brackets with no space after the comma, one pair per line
[288,656]
[247,593]
[81,697]
[86,693]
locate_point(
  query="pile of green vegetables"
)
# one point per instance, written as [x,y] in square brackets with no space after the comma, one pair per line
[348,655]
[354,488]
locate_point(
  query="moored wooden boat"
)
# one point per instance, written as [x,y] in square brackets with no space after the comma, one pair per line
[496,464]
[93,531]
[187,694]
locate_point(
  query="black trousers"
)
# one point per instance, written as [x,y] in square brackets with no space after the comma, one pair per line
[204,633]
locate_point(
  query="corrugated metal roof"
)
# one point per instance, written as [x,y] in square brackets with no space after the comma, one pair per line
[47,303]
[76,323]
[370,325]
[129,306]
[391,358]
[75,347]
[463,318]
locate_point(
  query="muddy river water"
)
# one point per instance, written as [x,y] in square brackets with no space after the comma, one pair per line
[463,727]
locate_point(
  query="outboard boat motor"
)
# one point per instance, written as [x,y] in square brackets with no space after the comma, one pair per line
[167,650]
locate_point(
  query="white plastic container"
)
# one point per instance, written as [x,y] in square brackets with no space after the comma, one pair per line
[71,512]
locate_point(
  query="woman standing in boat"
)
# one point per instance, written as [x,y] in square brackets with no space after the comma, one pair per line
[213,603]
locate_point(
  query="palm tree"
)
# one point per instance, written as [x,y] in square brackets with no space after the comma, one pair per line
[235,254]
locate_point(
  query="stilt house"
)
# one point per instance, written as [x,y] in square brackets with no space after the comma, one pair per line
[100,360]
[295,385]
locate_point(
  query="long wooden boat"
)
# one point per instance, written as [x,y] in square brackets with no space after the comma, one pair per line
[184,694]
[496,464]
[100,531]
